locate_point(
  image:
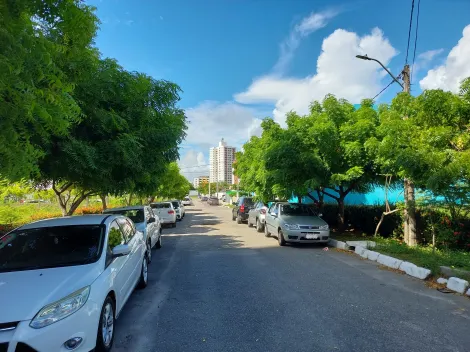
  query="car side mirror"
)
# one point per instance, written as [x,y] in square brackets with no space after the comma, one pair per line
[273,214]
[320,215]
[121,250]
[151,220]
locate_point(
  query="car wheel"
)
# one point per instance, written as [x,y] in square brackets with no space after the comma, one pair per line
[266,232]
[144,272]
[239,219]
[280,238]
[259,226]
[149,252]
[249,223]
[158,245]
[233,217]
[105,338]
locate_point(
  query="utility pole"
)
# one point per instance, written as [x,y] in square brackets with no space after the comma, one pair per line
[409,230]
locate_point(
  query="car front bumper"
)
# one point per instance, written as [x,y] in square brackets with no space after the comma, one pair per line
[83,324]
[300,236]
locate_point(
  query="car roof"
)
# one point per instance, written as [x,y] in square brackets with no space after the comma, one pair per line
[71,221]
[131,207]
[165,202]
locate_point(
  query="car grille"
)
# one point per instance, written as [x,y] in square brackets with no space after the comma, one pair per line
[8,326]
[3,346]
[293,237]
[22,347]
[309,227]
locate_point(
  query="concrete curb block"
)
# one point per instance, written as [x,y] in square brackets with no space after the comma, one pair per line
[468,292]
[338,244]
[360,250]
[371,255]
[442,281]
[389,261]
[365,244]
[457,285]
[415,271]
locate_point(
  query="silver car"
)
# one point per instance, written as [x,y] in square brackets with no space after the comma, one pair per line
[257,215]
[295,223]
[146,222]
[166,212]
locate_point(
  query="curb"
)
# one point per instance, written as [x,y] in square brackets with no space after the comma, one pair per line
[337,244]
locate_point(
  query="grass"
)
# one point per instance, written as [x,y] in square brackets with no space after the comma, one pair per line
[352,236]
[424,256]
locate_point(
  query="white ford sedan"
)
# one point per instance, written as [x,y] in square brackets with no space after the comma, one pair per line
[64,281]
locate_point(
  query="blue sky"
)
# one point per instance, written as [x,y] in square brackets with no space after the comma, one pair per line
[240,60]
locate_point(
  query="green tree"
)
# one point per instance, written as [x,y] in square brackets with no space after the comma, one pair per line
[44,47]
[130,130]
[173,185]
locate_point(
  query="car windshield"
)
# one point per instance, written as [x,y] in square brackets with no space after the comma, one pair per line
[248,201]
[296,209]
[176,205]
[160,205]
[136,215]
[50,247]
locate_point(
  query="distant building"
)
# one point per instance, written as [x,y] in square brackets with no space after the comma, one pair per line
[221,160]
[198,181]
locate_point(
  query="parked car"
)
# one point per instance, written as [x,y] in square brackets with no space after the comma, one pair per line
[179,208]
[146,222]
[166,212]
[257,215]
[204,199]
[213,201]
[66,281]
[241,209]
[294,222]
[187,201]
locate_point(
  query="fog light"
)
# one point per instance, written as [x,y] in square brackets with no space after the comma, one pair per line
[73,343]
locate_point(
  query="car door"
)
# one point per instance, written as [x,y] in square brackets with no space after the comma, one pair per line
[133,265]
[118,266]
[252,214]
[157,224]
[270,218]
[150,225]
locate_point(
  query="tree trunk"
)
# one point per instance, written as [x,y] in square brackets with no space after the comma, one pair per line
[63,207]
[76,202]
[321,198]
[341,225]
[151,199]
[299,199]
[103,201]
[410,214]
[129,199]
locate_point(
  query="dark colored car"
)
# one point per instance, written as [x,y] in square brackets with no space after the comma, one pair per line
[242,208]
[204,199]
[213,201]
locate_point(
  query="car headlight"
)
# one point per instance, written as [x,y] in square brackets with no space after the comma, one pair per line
[291,227]
[61,309]
[324,227]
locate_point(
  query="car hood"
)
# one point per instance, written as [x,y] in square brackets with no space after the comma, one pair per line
[24,293]
[303,220]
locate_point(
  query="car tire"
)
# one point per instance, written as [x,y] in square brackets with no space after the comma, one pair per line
[239,219]
[149,252]
[158,245]
[143,280]
[105,334]
[266,232]
[249,223]
[259,226]
[234,217]
[280,238]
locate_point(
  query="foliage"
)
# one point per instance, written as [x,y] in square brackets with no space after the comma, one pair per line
[44,46]
[173,185]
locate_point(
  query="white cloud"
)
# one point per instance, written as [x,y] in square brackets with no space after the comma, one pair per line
[307,25]
[193,164]
[456,68]
[338,72]
[430,54]
[425,59]
[210,121]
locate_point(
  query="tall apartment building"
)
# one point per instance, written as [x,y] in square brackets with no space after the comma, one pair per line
[198,181]
[221,160]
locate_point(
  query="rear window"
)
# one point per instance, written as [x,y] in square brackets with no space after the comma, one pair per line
[160,205]
[136,215]
[176,205]
[248,201]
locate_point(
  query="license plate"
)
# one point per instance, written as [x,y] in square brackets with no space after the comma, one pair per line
[311,237]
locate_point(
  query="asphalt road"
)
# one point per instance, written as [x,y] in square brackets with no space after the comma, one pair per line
[219,286]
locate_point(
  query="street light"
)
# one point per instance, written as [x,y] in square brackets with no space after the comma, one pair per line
[365,57]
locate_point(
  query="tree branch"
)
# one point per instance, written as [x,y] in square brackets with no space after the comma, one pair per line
[330,195]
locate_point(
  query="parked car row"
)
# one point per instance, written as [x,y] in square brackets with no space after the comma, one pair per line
[289,222]
[72,276]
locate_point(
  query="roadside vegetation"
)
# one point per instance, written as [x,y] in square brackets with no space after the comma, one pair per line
[337,149]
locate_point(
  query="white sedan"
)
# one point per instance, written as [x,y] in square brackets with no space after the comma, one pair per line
[66,280]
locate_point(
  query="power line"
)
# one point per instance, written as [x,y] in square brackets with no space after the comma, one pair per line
[409,30]
[388,85]
[416,41]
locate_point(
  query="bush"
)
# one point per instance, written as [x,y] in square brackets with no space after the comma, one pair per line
[363,218]
[96,209]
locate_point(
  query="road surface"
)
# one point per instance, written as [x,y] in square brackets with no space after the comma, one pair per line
[219,286]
